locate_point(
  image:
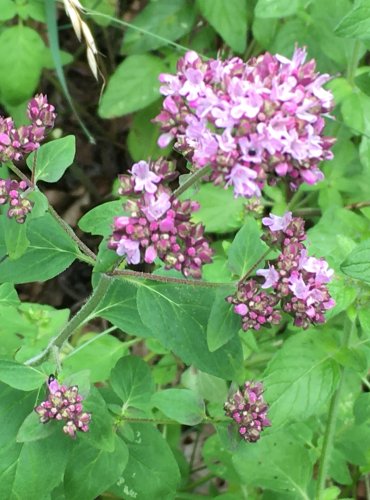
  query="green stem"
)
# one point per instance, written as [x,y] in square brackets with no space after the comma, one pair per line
[168,421]
[67,228]
[256,264]
[353,62]
[77,320]
[166,279]
[191,180]
[332,420]
[90,256]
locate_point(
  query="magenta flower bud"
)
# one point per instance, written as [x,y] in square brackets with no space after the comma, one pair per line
[248,410]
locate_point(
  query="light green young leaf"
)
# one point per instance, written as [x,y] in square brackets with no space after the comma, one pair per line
[182,405]
[8,10]
[15,236]
[133,86]
[53,159]
[276,8]
[229,19]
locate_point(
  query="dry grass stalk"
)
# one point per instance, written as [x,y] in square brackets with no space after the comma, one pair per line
[73,9]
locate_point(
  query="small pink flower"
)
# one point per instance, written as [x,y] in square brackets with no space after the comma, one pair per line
[271,276]
[130,249]
[145,180]
[276,223]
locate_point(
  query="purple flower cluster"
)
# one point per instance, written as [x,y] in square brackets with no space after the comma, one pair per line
[64,403]
[248,409]
[158,224]
[253,122]
[12,192]
[298,282]
[16,142]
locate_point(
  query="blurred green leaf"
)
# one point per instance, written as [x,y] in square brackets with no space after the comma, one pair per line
[182,405]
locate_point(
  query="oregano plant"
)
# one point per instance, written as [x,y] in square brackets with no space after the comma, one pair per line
[236,318]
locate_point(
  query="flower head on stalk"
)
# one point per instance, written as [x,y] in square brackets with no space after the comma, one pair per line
[249,411]
[64,404]
[254,123]
[13,193]
[17,142]
[293,282]
[157,224]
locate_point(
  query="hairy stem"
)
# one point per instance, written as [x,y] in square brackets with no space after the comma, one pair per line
[166,279]
[168,421]
[77,320]
[332,420]
[256,264]
[191,180]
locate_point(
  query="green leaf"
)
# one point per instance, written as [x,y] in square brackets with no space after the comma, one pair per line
[8,10]
[15,236]
[178,318]
[356,24]
[119,307]
[133,86]
[152,471]
[223,323]
[32,430]
[20,376]
[8,295]
[99,220]
[21,59]
[168,20]
[97,353]
[101,433]
[131,380]
[276,8]
[91,471]
[361,409]
[357,264]
[219,211]
[53,159]
[299,386]
[181,405]
[229,19]
[247,248]
[278,462]
[143,135]
[50,252]
[20,462]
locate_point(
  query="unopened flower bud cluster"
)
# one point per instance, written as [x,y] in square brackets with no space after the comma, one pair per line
[64,404]
[157,223]
[253,123]
[12,192]
[249,411]
[294,282]
[17,142]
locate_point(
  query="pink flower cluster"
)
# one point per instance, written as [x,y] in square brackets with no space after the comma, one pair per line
[158,224]
[295,282]
[12,192]
[248,409]
[64,403]
[16,142]
[253,123]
